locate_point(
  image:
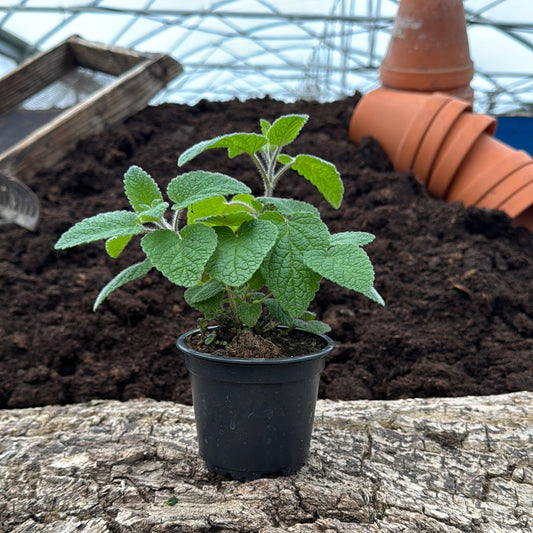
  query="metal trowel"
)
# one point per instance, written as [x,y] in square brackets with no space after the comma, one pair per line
[18,203]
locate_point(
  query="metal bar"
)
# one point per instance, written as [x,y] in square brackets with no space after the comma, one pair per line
[15,48]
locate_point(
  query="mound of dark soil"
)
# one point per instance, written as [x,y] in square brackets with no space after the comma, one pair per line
[457,282]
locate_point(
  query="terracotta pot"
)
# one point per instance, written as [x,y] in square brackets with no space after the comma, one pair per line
[446,146]
[488,163]
[465,132]
[509,186]
[428,49]
[435,136]
[383,114]
[519,202]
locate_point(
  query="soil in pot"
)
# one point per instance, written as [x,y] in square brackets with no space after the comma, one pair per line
[457,282]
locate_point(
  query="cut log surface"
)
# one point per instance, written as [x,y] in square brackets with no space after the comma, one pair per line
[423,465]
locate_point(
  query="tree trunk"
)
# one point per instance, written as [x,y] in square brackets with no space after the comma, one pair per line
[423,465]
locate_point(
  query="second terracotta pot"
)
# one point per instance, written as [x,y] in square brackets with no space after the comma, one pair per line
[416,130]
[435,136]
[513,184]
[428,49]
[457,144]
[489,166]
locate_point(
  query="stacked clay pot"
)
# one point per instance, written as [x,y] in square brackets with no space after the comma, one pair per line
[448,148]
[428,49]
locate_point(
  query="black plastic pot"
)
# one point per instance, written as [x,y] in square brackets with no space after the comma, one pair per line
[254,416]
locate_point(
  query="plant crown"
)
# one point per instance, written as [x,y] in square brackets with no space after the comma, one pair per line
[245,261]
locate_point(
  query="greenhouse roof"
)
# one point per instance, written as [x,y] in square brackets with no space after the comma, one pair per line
[252,48]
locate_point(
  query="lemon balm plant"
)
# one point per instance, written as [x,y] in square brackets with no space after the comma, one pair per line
[252,266]
[246,262]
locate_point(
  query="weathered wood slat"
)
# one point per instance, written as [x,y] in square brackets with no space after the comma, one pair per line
[104,58]
[427,465]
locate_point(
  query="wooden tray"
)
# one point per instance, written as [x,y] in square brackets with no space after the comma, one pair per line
[139,76]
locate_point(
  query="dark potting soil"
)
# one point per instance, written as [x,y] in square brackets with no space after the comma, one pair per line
[269,344]
[457,282]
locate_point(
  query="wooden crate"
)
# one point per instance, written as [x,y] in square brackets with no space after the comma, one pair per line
[139,76]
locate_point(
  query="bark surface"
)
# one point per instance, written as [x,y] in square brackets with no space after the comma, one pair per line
[423,465]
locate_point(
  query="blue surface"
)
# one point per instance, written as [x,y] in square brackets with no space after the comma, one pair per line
[516,132]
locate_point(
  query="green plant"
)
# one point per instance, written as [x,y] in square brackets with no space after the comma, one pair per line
[245,261]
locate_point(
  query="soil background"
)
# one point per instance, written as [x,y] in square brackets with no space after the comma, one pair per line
[457,282]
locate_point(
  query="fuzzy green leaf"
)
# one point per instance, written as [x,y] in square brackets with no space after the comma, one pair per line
[102,226]
[128,274]
[238,255]
[249,313]
[323,175]
[282,317]
[236,143]
[265,126]
[203,209]
[204,291]
[312,326]
[287,276]
[285,129]
[153,214]
[115,245]
[192,187]
[374,295]
[217,211]
[285,159]
[231,220]
[287,206]
[142,191]
[211,308]
[358,238]
[257,281]
[347,265]
[181,260]
[278,314]
[206,298]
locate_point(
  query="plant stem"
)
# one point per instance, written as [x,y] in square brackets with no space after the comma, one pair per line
[161,224]
[262,172]
[280,173]
[232,305]
[175,222]
[271,167]
[248,207]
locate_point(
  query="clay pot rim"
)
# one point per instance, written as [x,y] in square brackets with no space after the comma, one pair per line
[507,187]
[438,79]
[474,191]
[510,205]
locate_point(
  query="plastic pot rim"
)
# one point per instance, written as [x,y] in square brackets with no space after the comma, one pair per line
[184,347]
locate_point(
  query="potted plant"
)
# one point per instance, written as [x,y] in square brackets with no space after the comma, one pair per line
[251,265]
